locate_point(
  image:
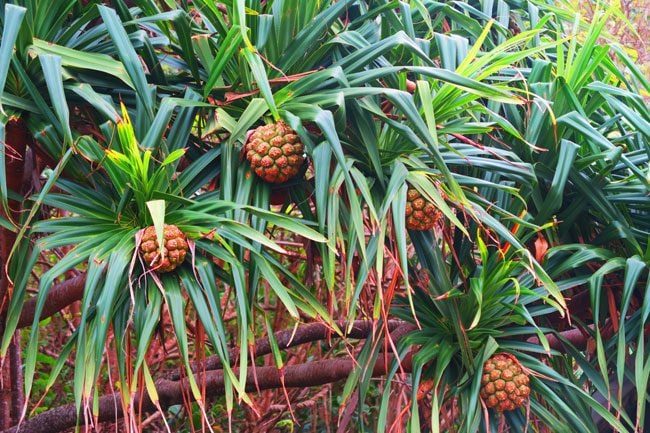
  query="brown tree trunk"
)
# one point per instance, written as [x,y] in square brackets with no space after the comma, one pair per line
[17,138]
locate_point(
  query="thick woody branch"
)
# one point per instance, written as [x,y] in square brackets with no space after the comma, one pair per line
[60,296]
[303,334]
[171,392]
[577,337]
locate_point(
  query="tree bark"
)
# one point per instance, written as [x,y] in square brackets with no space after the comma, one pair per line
[16,372]
[17,137]
[577,337]
[294,337]
[61,295]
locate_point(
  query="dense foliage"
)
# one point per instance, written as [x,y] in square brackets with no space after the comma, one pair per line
[525,130]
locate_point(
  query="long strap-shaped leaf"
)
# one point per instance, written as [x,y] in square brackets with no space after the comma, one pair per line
[13,18]
[307,37]
[129,58]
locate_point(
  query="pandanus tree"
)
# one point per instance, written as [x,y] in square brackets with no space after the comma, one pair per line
[444,204]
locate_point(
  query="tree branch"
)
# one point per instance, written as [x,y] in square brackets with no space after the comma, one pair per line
[60,296]
[171,392]
[576,336]
[306,333]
